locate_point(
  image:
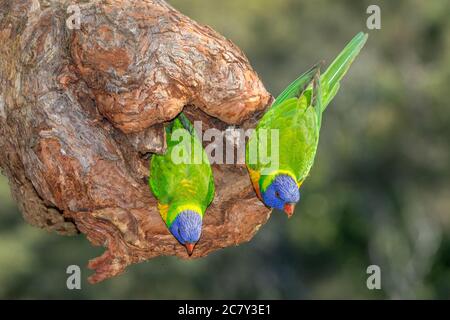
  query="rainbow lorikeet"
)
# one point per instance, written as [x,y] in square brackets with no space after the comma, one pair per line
[183,183]
[296,115]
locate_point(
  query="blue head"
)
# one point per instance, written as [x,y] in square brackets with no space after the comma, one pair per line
[187,228]
[282,194]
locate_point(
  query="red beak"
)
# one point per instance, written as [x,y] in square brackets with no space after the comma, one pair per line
[289,209]
[189,247]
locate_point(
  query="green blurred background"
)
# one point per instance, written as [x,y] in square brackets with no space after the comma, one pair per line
[379,192]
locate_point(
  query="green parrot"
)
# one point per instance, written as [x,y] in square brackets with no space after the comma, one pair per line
[296,115]
[183,183]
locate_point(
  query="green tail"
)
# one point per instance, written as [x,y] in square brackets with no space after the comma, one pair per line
[339,67]
[183,121]
[329,81]
[186,123]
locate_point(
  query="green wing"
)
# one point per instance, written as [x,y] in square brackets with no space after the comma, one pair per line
[297,125]
[183,175]
[188,126]
[298,86]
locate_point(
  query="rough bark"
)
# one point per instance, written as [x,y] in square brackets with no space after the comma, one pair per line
[82,110]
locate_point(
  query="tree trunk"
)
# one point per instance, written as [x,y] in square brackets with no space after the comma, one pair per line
[81,111]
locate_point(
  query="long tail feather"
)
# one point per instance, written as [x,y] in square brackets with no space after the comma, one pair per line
[181,121]
[186,123]
[339,67]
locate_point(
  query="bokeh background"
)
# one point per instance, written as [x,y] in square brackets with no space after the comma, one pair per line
[379,192]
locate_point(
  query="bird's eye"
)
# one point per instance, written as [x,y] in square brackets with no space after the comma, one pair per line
[277,194]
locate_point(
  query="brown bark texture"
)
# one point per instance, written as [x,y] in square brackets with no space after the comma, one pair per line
[82,111]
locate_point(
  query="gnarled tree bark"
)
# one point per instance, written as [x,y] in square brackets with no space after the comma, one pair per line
[81,111]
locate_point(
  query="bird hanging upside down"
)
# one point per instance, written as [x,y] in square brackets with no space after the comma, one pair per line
[297,115]
[183,183]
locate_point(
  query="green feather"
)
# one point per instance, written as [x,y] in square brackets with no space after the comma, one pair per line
[298,86]
[186,123]
[339,67]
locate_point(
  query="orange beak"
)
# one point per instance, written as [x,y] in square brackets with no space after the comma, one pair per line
[289,209]
[189,247]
